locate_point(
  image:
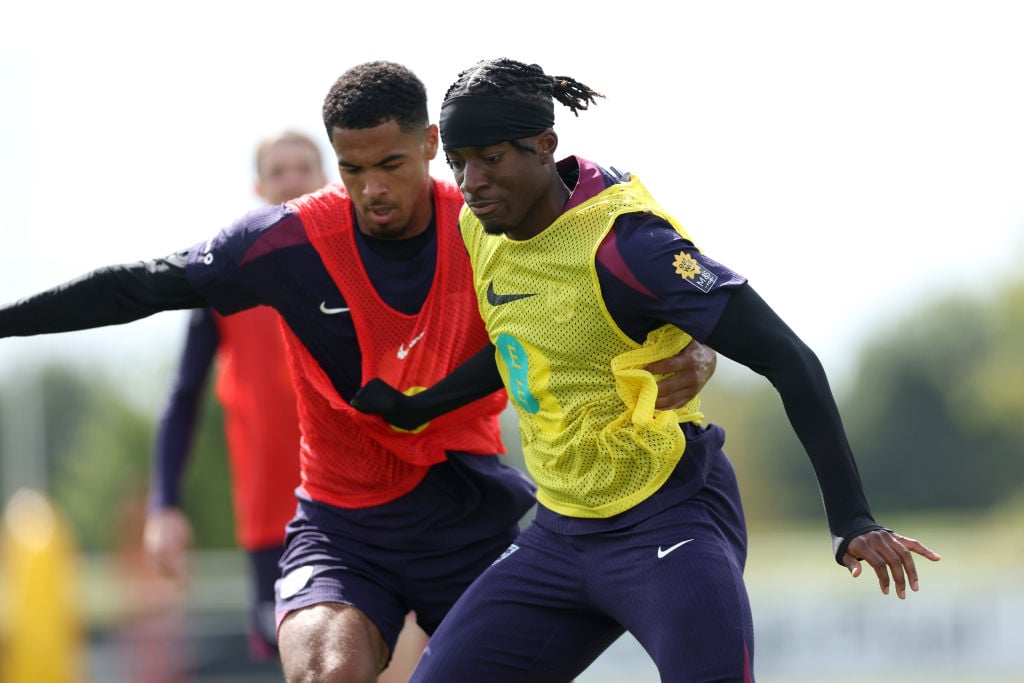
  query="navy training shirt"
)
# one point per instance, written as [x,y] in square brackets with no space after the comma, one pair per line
[266,258]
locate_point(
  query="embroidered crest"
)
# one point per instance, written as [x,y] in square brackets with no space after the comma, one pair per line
[690,271]
[686,266]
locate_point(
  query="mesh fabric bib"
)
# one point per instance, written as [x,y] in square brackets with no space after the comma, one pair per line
[592,439]
[352,459]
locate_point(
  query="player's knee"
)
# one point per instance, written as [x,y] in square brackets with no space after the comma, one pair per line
[330,642]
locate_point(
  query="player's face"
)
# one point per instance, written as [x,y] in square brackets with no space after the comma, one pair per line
[289,169]
[509,189]
[387,173]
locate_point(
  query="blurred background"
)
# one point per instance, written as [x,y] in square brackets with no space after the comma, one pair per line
[860,164]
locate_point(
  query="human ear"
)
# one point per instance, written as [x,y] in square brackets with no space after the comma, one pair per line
[430,139]
[547,143]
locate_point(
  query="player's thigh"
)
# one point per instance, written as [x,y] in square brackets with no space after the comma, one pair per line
[433,583]
[676,584]
[527,618]
[699,628]
[340,596]
[331,642]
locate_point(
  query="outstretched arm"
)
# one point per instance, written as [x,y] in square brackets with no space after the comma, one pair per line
[750,333]
[107,296]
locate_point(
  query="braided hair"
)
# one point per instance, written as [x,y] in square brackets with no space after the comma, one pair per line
[516,80]
[373,93]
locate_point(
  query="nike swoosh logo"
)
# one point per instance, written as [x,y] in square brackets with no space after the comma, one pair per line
[403,351]
[331,311]
[662,552]
[495,299]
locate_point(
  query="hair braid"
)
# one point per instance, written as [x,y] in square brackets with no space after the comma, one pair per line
[572,93]
[517,80]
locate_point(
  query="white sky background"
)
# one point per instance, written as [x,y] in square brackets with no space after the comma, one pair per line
[852,159]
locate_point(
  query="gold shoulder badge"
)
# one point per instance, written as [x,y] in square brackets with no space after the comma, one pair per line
[686,266]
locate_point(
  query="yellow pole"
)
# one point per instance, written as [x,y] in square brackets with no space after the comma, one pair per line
[41,636]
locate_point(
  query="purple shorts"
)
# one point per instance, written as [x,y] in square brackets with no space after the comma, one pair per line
[417,553]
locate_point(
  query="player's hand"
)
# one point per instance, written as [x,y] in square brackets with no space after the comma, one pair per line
[888,552]
[688,371]
[166,540]
[377,397]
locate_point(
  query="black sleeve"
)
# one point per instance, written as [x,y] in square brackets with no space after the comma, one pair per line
[475,378]
[750,332]
[107,296]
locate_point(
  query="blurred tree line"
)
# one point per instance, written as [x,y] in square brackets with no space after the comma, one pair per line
[935,416]
[97,451]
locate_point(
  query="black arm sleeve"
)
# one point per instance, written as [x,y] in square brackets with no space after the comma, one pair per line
[474,379]
[750,332]
[107,296]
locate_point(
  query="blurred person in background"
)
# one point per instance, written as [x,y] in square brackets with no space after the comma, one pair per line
[261,427]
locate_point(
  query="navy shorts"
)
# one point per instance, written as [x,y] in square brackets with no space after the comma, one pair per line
[672,577]
[418,553]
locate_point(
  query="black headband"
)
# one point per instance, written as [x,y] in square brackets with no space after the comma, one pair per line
[481,120]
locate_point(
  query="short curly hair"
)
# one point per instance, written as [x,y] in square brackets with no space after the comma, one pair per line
[373,93]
